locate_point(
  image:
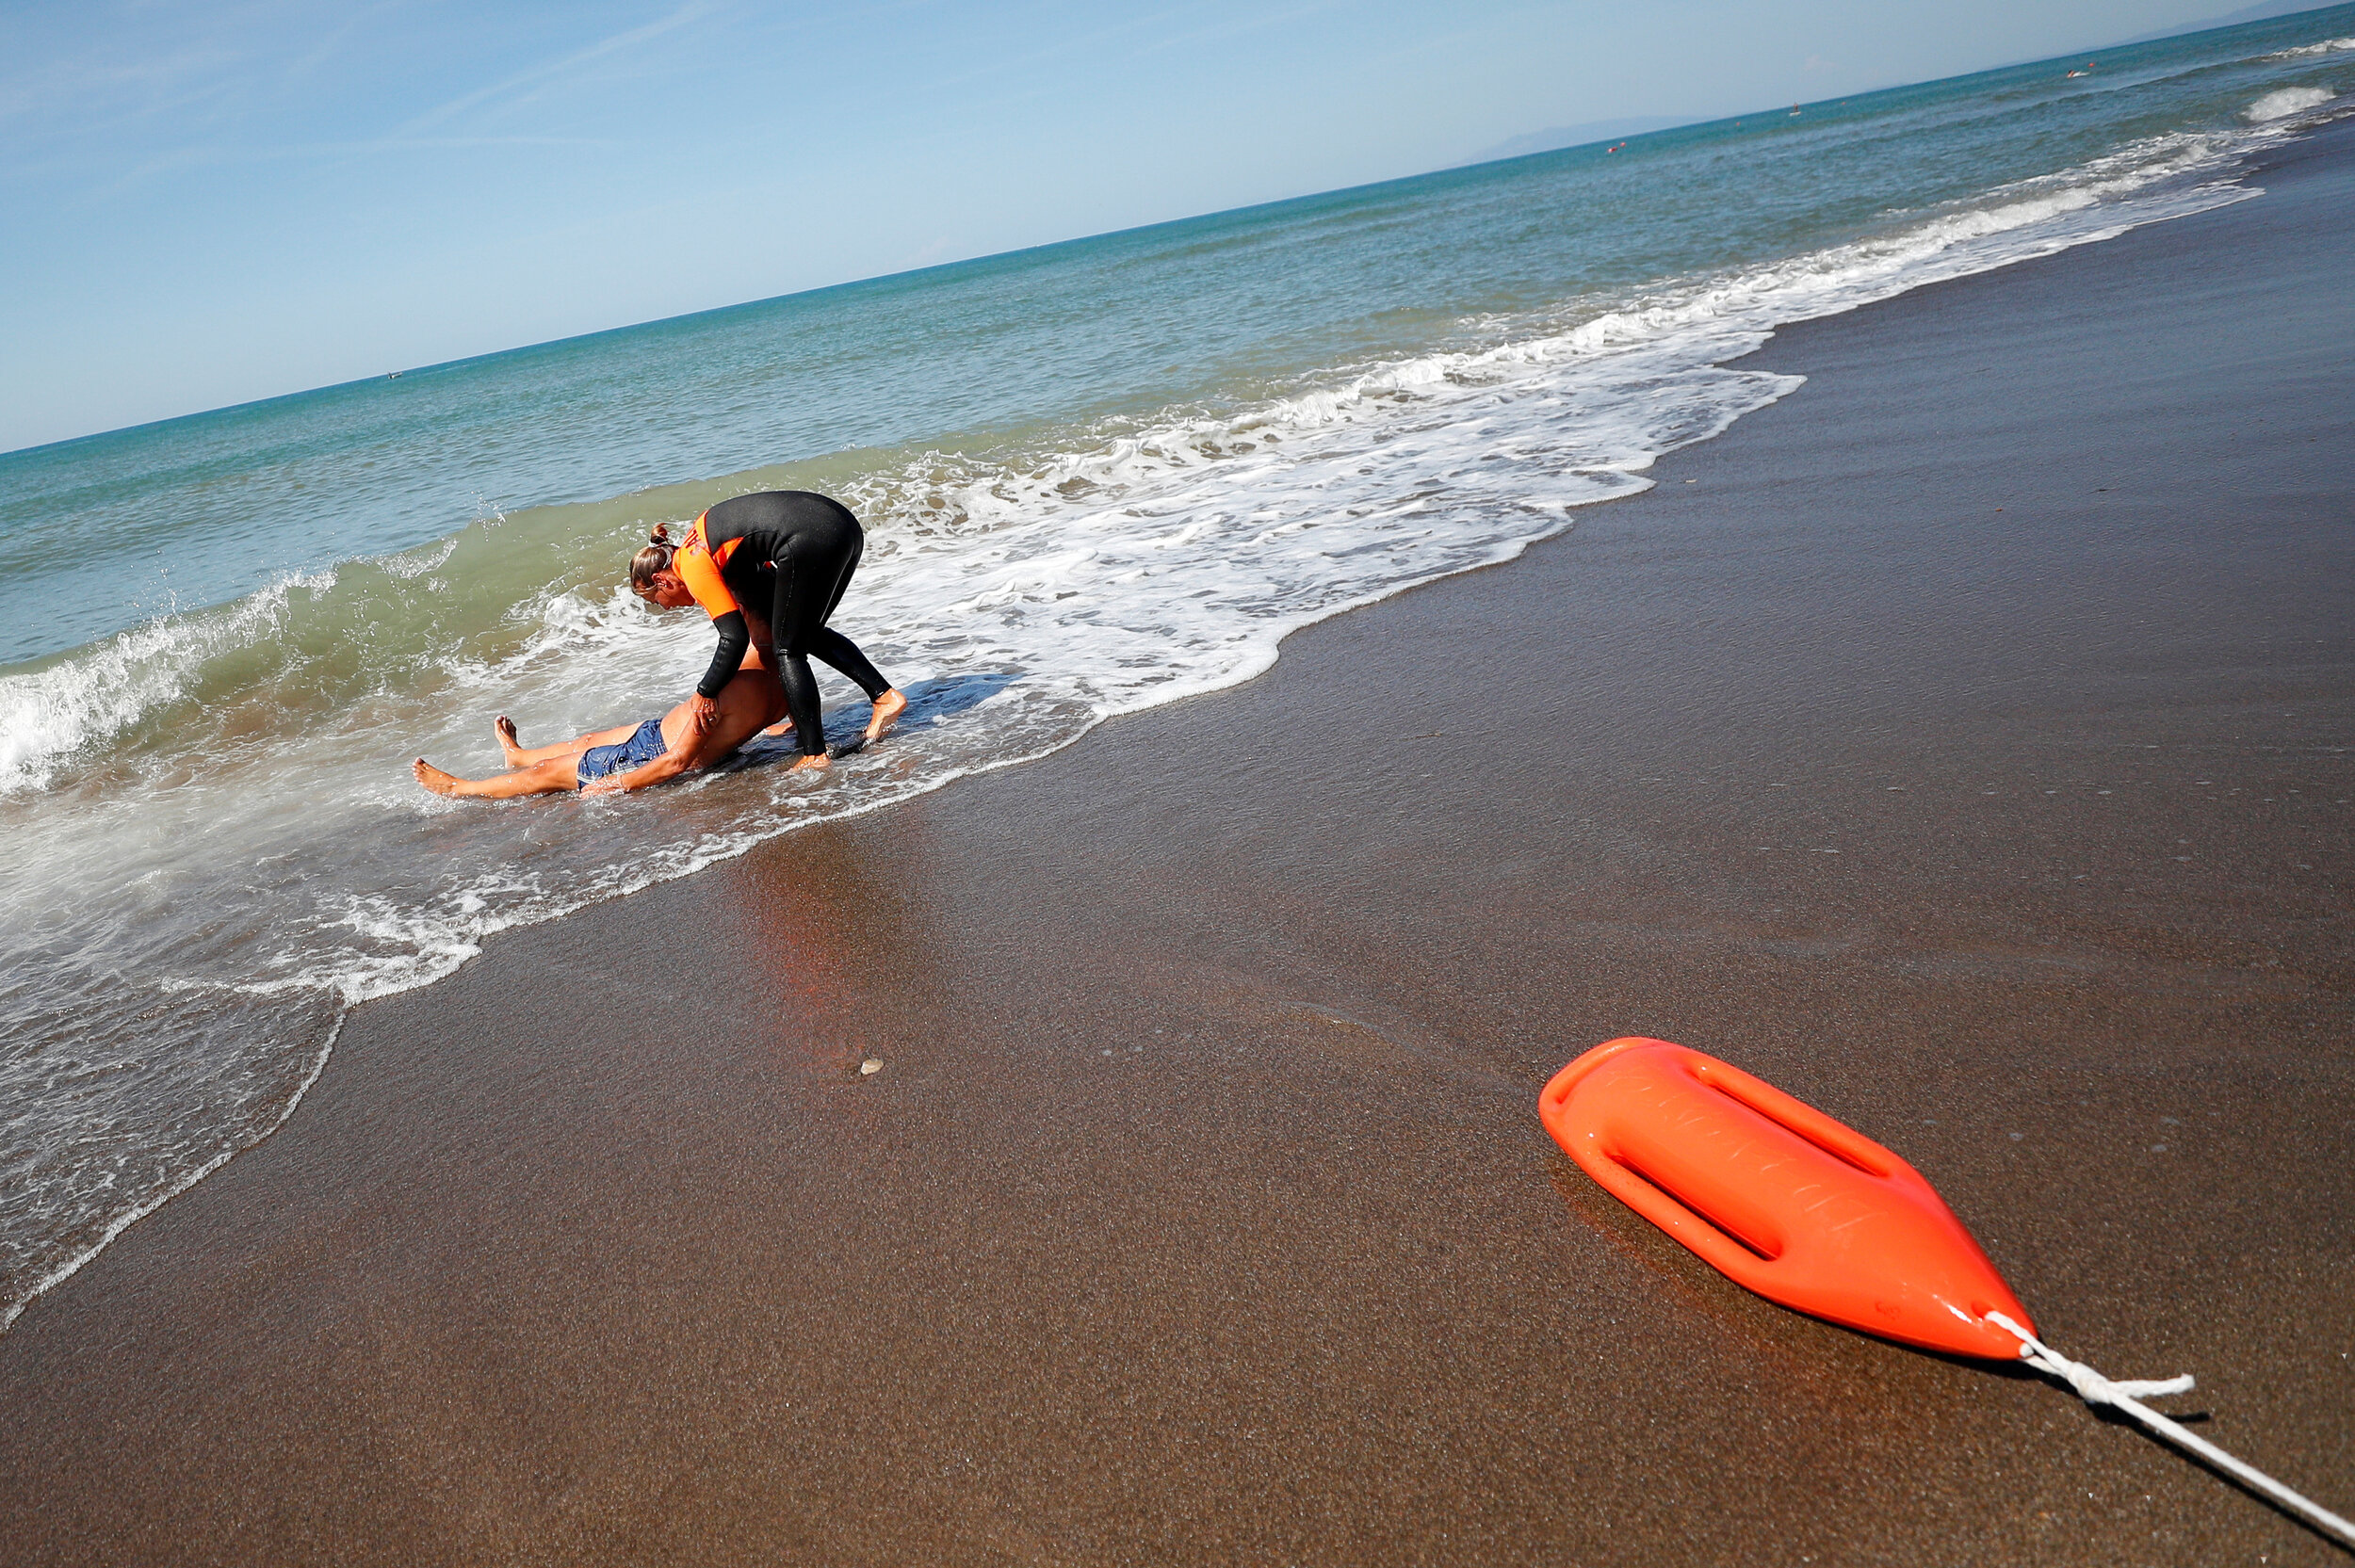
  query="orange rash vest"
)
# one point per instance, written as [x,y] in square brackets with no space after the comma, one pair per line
[700,567]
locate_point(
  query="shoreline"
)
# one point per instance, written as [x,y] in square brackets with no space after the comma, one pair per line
[1332,1034]
[433,962]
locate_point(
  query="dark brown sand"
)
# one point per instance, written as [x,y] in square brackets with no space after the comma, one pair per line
[1961,744]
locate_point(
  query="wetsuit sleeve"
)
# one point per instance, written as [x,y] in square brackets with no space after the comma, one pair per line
[697,569]
[726,659]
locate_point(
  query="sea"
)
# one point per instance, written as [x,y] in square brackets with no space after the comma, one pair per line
[1096,477]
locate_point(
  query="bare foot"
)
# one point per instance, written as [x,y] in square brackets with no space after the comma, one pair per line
[781,727]
[887,709]
[434,778]
[509,747]
[812,765]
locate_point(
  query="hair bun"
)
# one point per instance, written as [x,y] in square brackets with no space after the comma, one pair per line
[661,534]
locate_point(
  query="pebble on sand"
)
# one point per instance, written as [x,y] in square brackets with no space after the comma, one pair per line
[872,1066]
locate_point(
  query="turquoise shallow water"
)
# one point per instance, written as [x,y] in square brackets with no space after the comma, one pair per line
[1219,311]
[1096,475]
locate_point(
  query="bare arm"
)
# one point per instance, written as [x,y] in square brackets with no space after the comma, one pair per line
[669,765]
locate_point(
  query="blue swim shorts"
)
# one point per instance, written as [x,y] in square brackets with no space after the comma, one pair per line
[642,747]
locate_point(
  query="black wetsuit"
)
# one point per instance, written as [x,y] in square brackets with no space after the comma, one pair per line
[791,553]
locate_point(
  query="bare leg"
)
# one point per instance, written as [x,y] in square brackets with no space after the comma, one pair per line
[887,709]
[553,776]
[519,755]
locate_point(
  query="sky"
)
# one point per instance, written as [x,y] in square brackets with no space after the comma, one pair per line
[201,205]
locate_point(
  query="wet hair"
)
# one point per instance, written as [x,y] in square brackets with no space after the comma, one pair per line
[655,558]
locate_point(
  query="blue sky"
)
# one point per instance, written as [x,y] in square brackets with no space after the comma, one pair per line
[206,203]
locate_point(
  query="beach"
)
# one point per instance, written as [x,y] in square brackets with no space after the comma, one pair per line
[1960,744]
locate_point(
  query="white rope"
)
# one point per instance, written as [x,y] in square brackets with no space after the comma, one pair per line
[2128,1395]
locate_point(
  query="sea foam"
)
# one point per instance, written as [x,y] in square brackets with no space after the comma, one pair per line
[88,699]
[2304,51]
[2285,102]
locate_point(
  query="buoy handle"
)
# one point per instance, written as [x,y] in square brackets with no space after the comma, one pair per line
[1797,1116]
[1716,1246]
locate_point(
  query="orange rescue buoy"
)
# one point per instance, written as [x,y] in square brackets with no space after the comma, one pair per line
[1780,1197]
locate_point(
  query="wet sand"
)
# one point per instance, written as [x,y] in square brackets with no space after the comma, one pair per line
[1961,744]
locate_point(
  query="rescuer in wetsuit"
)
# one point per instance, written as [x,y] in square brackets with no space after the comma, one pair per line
[785,554]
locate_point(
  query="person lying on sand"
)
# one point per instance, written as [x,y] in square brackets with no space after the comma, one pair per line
[625,757]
